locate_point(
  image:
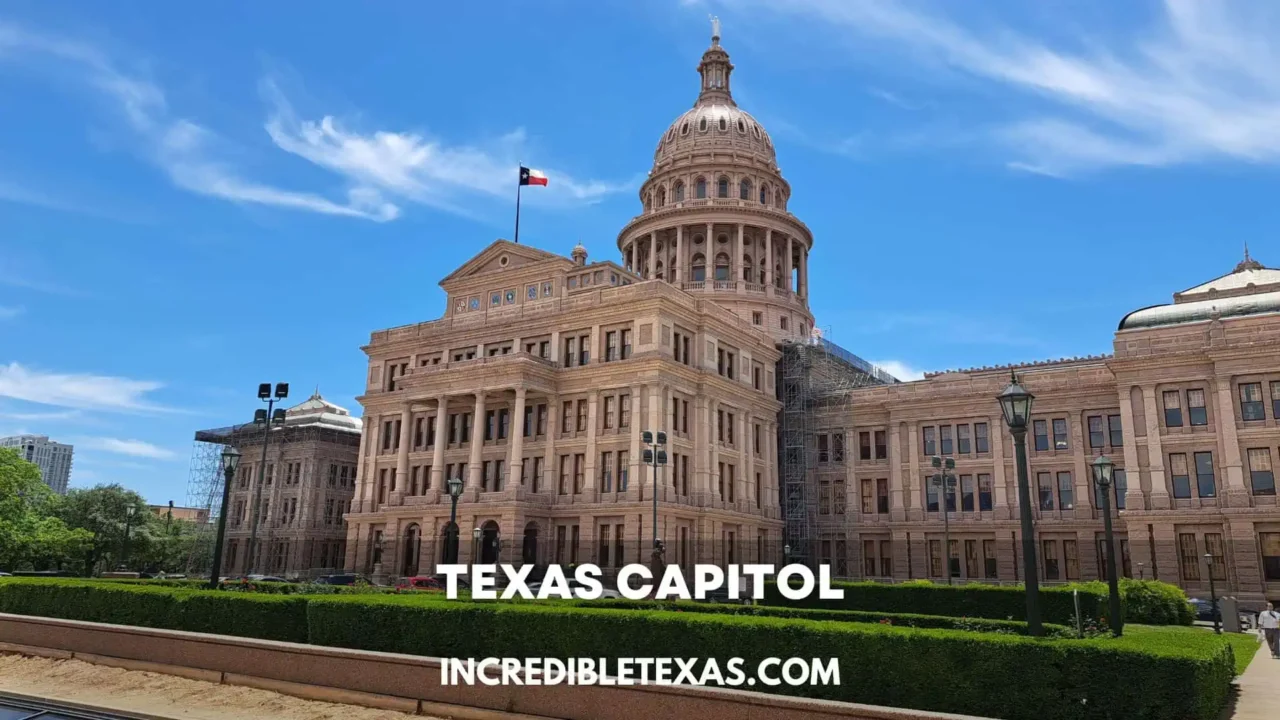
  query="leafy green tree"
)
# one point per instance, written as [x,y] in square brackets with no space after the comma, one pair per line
[104,511]
[32,536]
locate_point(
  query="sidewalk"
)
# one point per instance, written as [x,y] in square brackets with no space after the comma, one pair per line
[1259,697]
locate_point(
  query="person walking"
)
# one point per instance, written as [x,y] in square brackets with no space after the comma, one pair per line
[1269,621]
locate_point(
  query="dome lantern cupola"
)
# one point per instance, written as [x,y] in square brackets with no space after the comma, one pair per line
[714,70]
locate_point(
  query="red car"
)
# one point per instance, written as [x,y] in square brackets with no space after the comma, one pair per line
[422,582]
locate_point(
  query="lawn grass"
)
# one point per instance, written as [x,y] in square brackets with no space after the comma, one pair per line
[1243,645]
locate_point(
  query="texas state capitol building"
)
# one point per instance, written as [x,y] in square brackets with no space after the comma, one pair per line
[535,385]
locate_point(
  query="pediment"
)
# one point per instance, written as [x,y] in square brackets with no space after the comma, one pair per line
[501,256]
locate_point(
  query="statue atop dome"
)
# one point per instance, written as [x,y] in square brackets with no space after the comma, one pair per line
[715,30]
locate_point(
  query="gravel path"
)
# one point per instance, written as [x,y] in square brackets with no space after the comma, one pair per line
[165,695]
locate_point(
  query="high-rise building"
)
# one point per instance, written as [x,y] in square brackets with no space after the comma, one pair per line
[53,459]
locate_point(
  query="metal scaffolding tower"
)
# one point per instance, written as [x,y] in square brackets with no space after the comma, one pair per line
[204,483]
[813,376]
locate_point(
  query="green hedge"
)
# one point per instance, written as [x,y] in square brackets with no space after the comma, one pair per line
[984,674]
[1168,673]
[1008,627]
[997,602]
[1151,602]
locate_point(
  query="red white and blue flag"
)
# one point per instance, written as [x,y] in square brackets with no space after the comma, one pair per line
[532,177]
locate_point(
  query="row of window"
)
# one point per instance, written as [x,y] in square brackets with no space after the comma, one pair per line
[334,510]
[977,559]
[722,185]
[1252,404]
[939,440]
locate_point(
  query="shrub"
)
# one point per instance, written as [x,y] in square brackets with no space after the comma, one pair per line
[987,674]
[998,602]
[267,617]
[1151,602]
[1008,627]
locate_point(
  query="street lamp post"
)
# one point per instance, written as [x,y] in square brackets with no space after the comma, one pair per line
[451,536]
[1102,474]
[946,482]
[266,417]
[230,461]
[475,546]
[786,554]
[1015,404]
[1142,571]
[655,454]
[128,525]
[1213,595]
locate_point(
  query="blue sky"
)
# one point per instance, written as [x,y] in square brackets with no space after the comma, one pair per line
[195,198]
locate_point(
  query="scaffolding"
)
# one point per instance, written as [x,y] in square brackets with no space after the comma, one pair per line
[814,376]
[204,483]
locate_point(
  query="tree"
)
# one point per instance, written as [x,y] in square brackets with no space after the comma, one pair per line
[32,536]
[104,511]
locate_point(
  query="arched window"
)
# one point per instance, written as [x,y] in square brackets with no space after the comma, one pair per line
[722,267]
[746,268]
[679,196]
[409,564]
[662,196]
[701,191]
[699,265]
[702,125]
[764,194]
[744,190]
[742,127]
[762,273]
[722,187]
[724,125]
[671,134]
[529,548]
[684,128]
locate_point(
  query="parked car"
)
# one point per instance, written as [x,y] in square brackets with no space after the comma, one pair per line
[5,574]
[341,579]
[266,578]
[1202,608]
[575,586]
[422,582]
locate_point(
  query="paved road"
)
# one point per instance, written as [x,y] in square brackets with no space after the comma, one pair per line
[1259,697]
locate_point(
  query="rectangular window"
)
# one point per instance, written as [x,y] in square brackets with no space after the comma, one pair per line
[604,546]
[981,440]
[1096,437]
[563,488]
[1121,482]
[1066,494]
[882,496]
[611,346]
[966,493]
[570,351]
[1059,434]
[1269,543]
[1251,402]
[584,349]
[540,427]
[626,344]
[1040,431]
[582,415]
[579,470]
[882,447]
[1196,412]
[624,410]
[624,470]
[1116,430]
[971,559]
[1188,557]
[963,445]
[608,412]
[985,495]
[989,559]
[566,417]
[1051,560]
[1261,477]
[1205,486]
[756,375]
[864,446]
[1172,408]
[886,558]
[1214,547]
[606,471]
[1071,558]
[869,558]
[1044,482]
[931,495]
[824,454]
[935,558]
[930,447]
[837,447]
[944,434]
[868,500]
[1180,475]
[504,423]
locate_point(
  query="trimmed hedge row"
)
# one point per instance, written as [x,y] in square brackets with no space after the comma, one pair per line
[1151,602]
[1007,627]
[989,675]
[1174,674]
[998,602]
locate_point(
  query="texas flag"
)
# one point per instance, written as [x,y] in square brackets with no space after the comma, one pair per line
[532,177]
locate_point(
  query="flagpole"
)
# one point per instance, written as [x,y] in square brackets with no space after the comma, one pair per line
[519,186]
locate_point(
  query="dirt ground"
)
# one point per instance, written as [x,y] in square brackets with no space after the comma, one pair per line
[165,695]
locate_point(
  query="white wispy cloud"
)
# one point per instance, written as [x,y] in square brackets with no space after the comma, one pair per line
[899,369]
[80,391]
[182,148]
[132,448]
[414,167]
[41,416]
[1196,84]
[8,312]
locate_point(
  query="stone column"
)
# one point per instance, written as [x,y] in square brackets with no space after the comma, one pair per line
[701,449]
[804,272]
[653,423]
[515,453]
[551,463]
[633,457]
[999,479]
[402,457]
[711,252]
[589,486]
[912,490]
[361,470]
[735,263]
[1155,452]
[1134,497]
[369,489]
[897,508]
[1229,443]
[786,265]
[679,255]
[653,256]
[1083,473]
[713,447]
[768,259]
[748,462]
[437,451]
[477,444]
[554,359]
